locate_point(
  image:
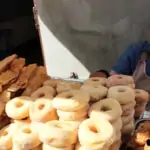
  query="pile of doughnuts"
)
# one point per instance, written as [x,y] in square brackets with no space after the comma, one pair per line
[110,110]
[140,138]
[126,97]
[141,98]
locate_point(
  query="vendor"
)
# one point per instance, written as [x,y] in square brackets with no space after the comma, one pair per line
[100,73]
[135,61]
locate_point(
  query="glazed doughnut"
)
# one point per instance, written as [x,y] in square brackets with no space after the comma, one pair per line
[141,96]
[53,83]
[127,119]
[72,116]
[5,138]
[128,128]
[26,137]
[108,109]
[96,81]
[58,133]
[116,145]
[45,91]
[96,92]
[120,80]
[72,100]
[18,108]
[123,94]
[41,110]
[63,86]
[48,147]
[99,133]
[128,107]
[117,124]
[2,108]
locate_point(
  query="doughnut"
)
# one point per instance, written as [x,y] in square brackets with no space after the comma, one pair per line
[26,137]
[72,116]
[18,108]
[107,108]
[72,100]
[2,108]
[117,124]
[48,147]
[128,128]
[127,119]
[141,96]
[128,107]
[96,92]
[120,80]
[53,83]
[96,81]
[58,133]
[5,138]
[41,110]
[123,94]
[45,91]
[116,145]
[99,133]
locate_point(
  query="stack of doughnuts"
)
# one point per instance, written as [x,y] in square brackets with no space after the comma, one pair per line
[126,97]
[110,110]
[119,79]
[141,98]
[95,135]
[72,105]
[58,135]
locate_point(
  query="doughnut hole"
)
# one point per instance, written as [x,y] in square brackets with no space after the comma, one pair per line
[27,131]
[41,95]
[121,90]
[19,104]
[105,108]
[41,106]
[69,96]
[119,77]
[93,129]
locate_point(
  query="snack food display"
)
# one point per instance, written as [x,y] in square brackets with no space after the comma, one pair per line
[41,113]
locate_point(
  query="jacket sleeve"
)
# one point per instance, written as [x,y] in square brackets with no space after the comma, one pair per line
[126,61]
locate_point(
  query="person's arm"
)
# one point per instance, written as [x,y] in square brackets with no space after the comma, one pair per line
[126,61]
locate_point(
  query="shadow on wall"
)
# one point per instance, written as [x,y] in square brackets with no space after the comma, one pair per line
[96,49]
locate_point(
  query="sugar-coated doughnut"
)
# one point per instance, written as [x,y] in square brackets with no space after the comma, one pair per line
[5,138]
[45,91]
[72,116]
[99,133]
[72,100]
[107,108]
[96,81]
[2,108]
[117,124]
[123,94]
[18,108]
[141,96]
[96,92]
[128,107]
[128,128]
[58,133]
[41,110]
[116,145]
[127,119]
[120,80]
[53,82]
[48,147]
[26,137]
